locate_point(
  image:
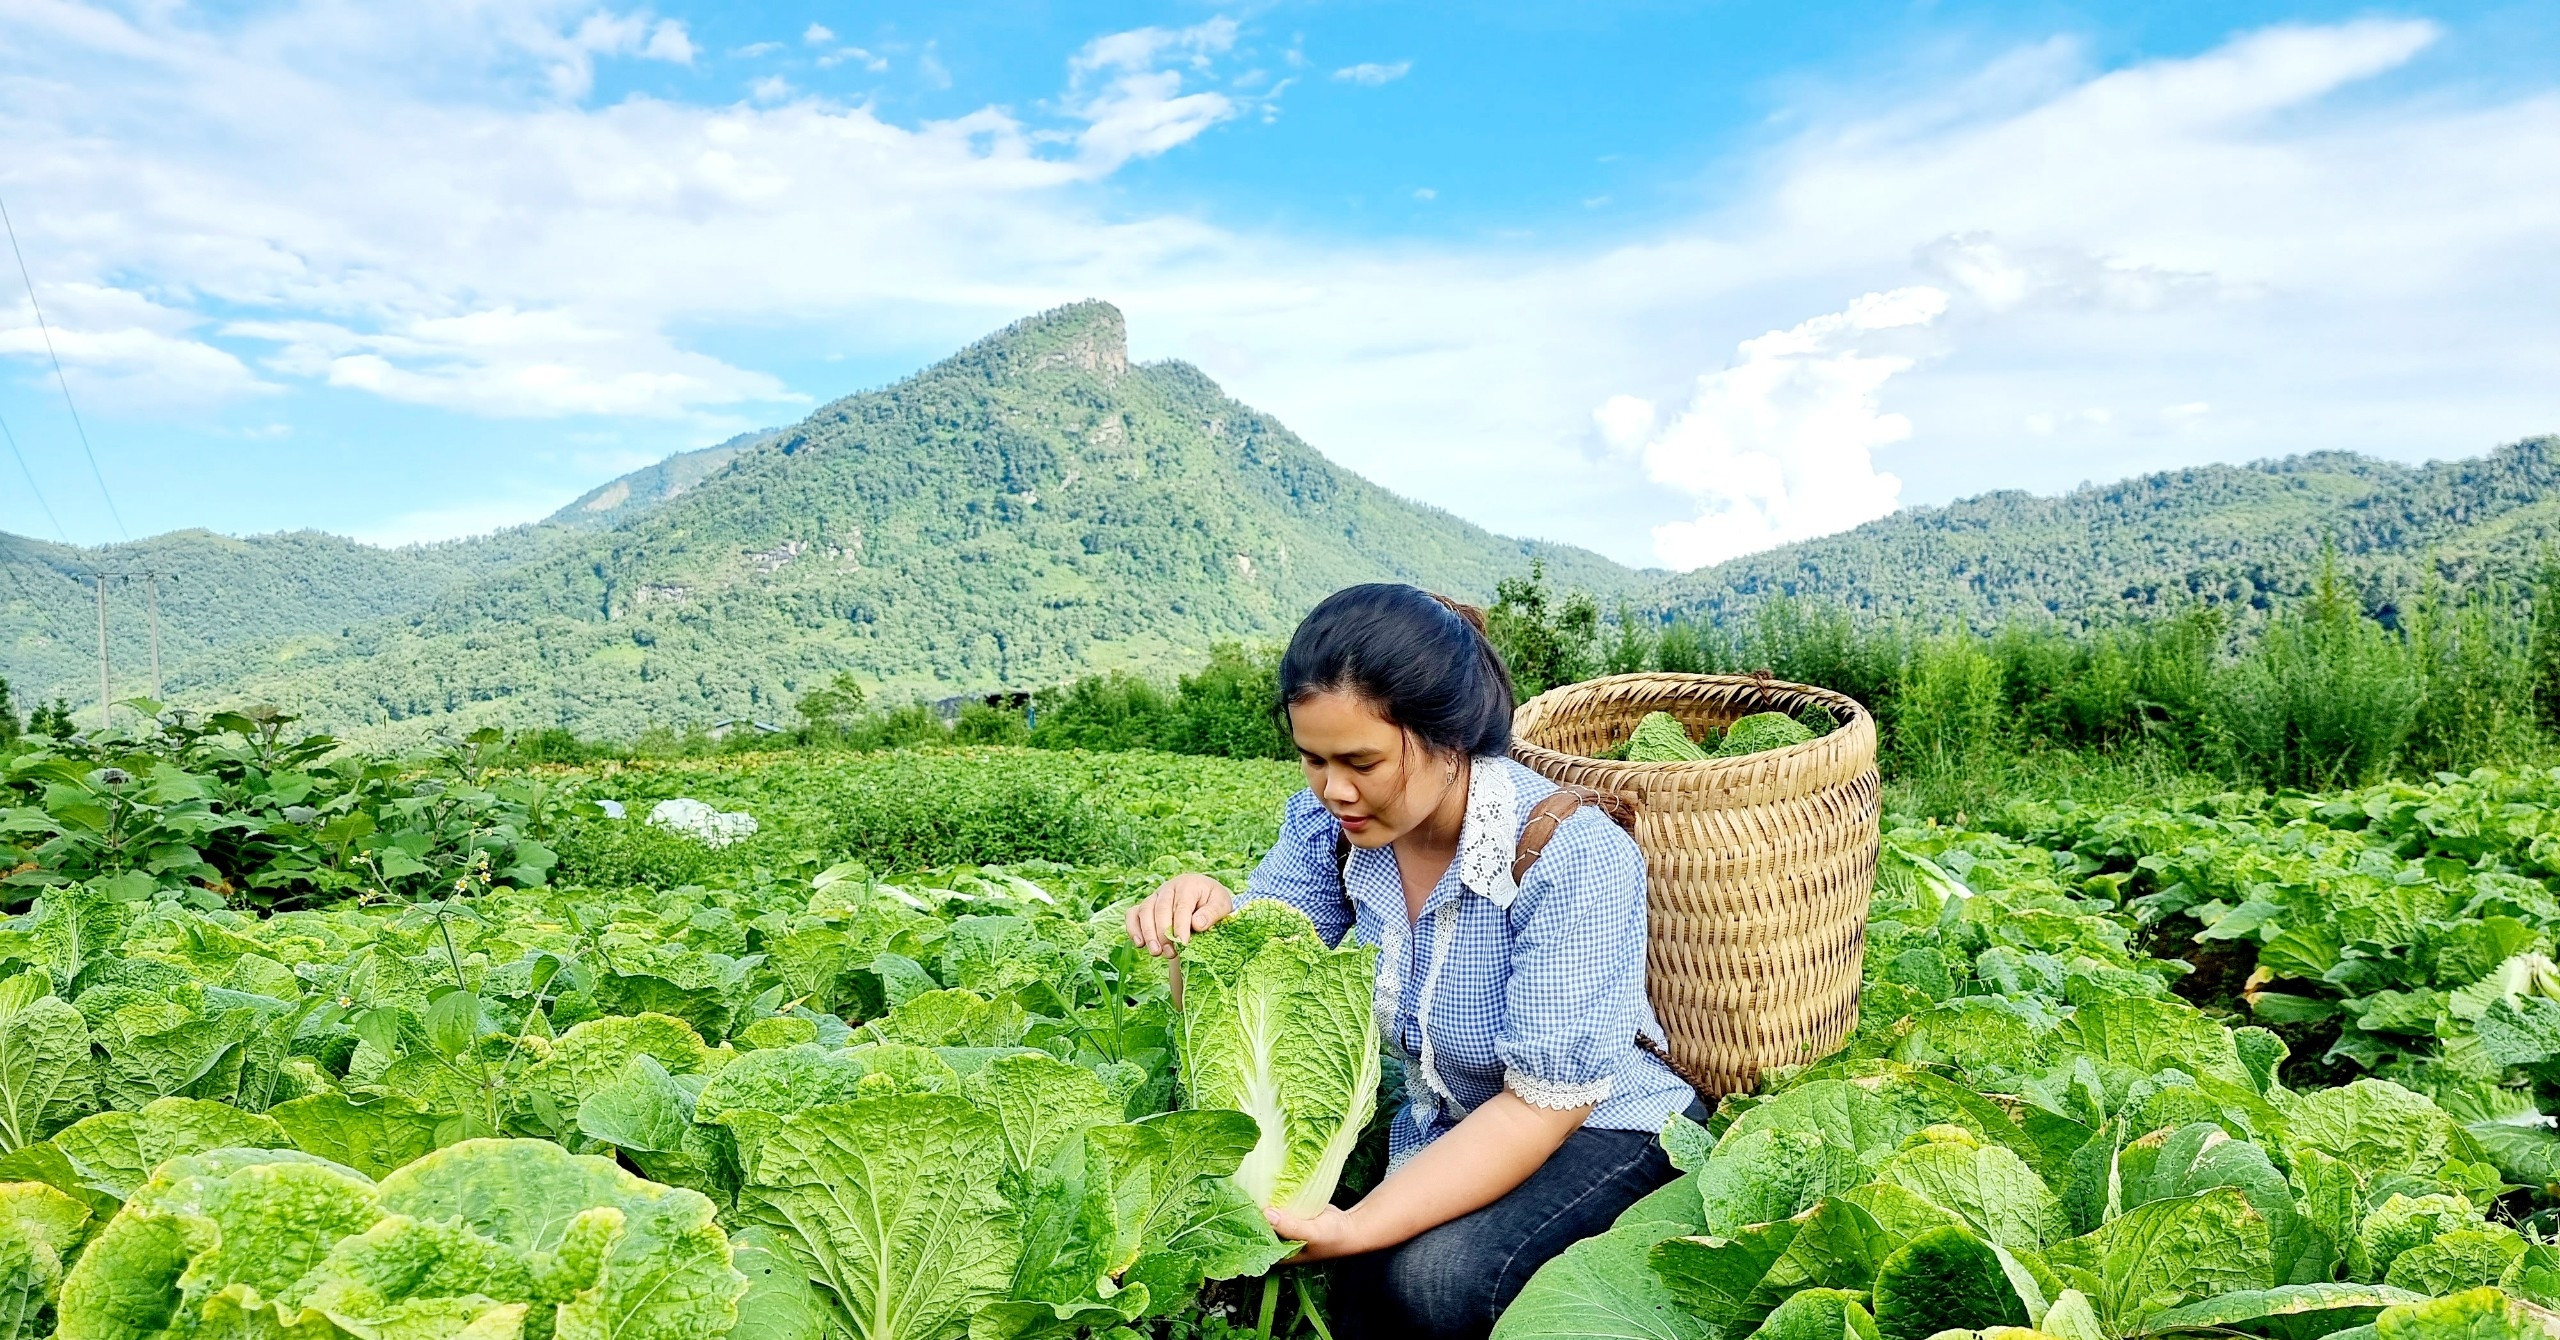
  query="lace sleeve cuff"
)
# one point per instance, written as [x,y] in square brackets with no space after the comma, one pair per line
[1555,1097]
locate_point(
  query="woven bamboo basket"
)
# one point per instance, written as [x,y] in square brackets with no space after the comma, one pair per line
[1760,867]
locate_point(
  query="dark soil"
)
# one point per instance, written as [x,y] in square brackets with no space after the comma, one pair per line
[2219,985]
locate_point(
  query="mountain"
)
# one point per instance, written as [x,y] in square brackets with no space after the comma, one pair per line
[1033,507]
[1037,506]
[2219,534]
[610,504]
[221,599]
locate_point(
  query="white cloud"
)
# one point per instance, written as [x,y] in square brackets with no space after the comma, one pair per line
[754,49]
[1624,422]
[571,55]
[426,207]
[512,364]
[1780,445]
[856,55]
[818,34]
[1425,193]
[122,348]
[1373,74]
[1125,87]
[668,41]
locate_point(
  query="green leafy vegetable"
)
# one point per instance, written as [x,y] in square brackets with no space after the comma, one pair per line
[1278,1027]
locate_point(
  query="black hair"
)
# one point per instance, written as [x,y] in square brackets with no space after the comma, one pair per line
[1422,659]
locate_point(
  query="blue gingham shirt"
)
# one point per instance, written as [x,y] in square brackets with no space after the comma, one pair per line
[1538,987]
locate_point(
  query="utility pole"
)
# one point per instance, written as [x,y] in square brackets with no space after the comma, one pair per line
[106,682]
[155,637]
[106,695]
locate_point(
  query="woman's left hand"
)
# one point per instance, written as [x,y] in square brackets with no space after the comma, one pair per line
[1330,1233]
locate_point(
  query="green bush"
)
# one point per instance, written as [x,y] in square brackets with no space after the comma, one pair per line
[1007,820]
[2326,697]
[2476,658]
[1544,639]
[1226,708]
[1113,711]
[1951,711]
[981,723]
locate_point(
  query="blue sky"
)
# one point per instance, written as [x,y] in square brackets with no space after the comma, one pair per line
[1674,281]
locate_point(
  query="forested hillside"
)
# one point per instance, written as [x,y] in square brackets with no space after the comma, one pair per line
[221,599]
[2217,534]
[1037,507]
[1033,507]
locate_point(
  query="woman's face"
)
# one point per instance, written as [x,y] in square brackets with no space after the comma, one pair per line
[1378,781]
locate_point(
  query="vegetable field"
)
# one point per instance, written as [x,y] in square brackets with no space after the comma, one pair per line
[298,1043]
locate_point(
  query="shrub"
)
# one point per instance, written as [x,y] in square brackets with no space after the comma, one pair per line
[1226,708]
[1543,640]
[981,723]
[2476,658]
[1113,711]
[1951,711]
[2325,698]
[1008,819]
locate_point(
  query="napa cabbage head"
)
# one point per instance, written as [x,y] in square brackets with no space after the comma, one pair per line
[1279,1027]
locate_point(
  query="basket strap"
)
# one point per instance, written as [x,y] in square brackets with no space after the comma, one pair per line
[1549,814]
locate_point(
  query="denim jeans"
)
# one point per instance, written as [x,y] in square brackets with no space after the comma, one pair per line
[1452,1281]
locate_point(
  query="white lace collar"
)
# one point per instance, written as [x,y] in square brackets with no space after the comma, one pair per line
[1490,833]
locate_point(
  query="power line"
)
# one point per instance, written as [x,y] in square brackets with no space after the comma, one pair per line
[58,378]
[31,482]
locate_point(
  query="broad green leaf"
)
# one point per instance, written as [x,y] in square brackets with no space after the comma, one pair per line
[2348,1304]
[1601,1286]
[661,1268]
[373,1138]
[2146,1035]
[1717,1279]
[1675,1204]
[2169,1253]
[1944,1279]
[203,1224]
[116,1151]
[1989,1187]
[2478,1314]
[780,1303]
[2461,1259]
[30,1277]
[1843,1113]
[1686,1142]
[2402,1223]
[593,1054]
[642,1110]
[1178,1217]
[44,1062]
[2167,1164]
[1039,1102]
[1820,1314]
[892,1206]
[2376,1128]
[1768,1173]
[401,1278]
[1019,1319]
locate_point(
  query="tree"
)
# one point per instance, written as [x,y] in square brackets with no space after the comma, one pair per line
[1630,643]
[1545,641]
[1226,707]
[2545,644]
[8,715]
[829,710]
[54,720]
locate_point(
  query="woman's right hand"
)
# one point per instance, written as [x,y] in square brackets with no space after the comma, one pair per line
[1163,923]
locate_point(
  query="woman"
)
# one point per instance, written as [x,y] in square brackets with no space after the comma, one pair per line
[1531,1115]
